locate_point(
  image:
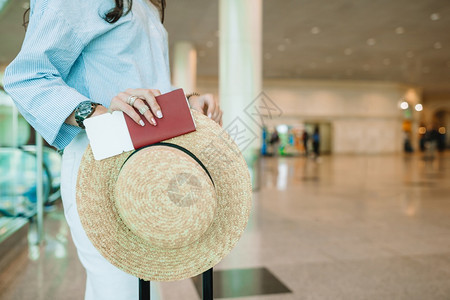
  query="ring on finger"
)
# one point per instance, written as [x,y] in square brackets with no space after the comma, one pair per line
[131,99]
[143,109]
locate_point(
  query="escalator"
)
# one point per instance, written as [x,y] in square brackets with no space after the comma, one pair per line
[18,179]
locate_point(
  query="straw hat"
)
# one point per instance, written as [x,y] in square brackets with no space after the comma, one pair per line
[169,211]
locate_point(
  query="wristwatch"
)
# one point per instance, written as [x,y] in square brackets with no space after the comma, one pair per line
[83,111]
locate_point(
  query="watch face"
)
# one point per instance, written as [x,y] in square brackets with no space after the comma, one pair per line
[84,109]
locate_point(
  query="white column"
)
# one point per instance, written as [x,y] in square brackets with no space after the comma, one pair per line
[185,66]
[240,76]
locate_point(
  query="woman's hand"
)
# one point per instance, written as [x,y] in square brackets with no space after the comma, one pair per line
[145,102]
[207,105]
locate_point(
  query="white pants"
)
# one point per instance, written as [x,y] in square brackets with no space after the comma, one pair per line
[104,281]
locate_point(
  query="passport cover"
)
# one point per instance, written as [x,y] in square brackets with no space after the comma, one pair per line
[177,120]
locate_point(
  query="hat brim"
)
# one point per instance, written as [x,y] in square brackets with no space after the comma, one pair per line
[132,254]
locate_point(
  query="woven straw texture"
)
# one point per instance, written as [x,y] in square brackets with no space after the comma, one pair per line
[162,219]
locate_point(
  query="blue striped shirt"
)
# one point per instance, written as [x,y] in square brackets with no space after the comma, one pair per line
[71,54]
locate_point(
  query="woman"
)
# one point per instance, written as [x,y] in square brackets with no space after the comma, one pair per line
[79,59]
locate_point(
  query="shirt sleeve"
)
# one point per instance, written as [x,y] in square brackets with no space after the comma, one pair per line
[35,79]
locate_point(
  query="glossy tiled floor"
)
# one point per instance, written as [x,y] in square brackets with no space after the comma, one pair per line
[345,227]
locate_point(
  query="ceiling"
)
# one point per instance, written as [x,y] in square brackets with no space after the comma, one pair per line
[403,41]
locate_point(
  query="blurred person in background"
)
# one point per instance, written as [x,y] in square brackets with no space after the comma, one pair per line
[316,141]
[305,141]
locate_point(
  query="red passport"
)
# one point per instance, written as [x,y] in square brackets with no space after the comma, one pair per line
[177,120]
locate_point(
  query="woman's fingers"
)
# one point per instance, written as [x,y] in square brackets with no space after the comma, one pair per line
[219,118]
[155,92]
[207,105]
[211,104]
[140,105]
[214,112]
[217,114]
[117,104]
[149,96]
[143,109]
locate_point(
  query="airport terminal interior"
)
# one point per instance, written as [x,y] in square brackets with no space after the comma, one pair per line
[341,110]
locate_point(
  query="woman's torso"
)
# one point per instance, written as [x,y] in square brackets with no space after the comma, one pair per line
[131,53]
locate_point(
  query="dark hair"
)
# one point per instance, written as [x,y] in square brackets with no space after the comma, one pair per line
[115,13]
[25,18]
